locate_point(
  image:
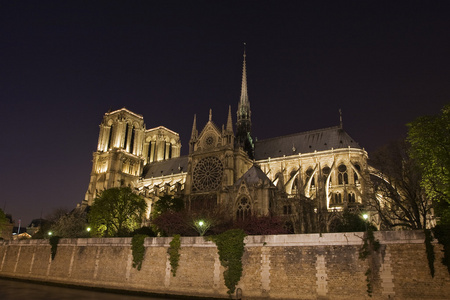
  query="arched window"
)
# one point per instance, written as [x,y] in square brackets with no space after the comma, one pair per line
[244,210]
[342,176]
[337,198]
[351,198]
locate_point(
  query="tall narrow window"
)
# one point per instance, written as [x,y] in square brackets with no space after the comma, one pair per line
[243,210]
[342,176]
[110,138]
[132,139]
[126,137]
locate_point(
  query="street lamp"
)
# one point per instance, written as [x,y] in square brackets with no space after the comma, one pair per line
[202,226]
[365,217]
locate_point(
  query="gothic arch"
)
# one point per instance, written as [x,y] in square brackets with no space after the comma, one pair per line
[243,208]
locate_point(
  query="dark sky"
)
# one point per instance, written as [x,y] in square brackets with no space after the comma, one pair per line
[63,64]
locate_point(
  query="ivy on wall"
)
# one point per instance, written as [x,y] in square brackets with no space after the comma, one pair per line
[138,250]
[174,255]
[368,249]
[430,250]
[54,240]
[230,245]
[442,234]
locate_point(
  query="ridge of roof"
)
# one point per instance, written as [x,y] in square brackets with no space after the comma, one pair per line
[171,166]
[301,133]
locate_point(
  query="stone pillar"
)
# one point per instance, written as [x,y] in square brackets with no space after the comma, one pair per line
[129,130]
[167,151]
[138,141]
[160,143]
[152,150]
[146,153]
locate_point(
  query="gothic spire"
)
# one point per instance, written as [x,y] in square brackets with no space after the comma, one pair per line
[244,105]
[194,128]
[244,123]
[229,120]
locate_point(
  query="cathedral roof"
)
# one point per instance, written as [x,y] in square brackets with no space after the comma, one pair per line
[254,175]
[166,167]
[304,142]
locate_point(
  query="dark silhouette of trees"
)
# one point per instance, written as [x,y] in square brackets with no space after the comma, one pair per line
[398,197]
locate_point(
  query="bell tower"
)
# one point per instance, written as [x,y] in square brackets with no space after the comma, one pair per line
[118,159]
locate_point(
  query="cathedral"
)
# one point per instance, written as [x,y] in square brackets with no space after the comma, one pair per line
[308,177]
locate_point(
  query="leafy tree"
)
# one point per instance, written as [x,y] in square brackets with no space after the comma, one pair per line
[116,212]
[167,203]
[4,221]
[264,225]
[430,147]
[399,197]
[351,222]
[71,225]
[169,217]
[172,222]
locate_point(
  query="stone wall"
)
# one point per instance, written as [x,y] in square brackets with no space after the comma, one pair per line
[309,266]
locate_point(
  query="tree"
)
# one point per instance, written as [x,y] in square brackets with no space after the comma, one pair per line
[116,212]
[429,137]
[4,221]
[399,197]
[167,203]
[263,225]
[71,225]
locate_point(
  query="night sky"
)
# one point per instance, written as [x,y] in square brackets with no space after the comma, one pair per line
[63,64]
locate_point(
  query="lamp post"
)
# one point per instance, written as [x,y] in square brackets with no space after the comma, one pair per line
[365,217]
[202,226]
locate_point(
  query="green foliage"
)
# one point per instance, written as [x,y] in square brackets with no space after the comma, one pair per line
[442,234]
[71,225]
[264,225]
[430,147]
[117,212]
[138,250]
[54,240]
[144,230]
[369,282]
[4,221]
[172,222]
[430,250]
[370,246]
[351,222]
[167,203]
[174,255]
[230,245]
[169,217]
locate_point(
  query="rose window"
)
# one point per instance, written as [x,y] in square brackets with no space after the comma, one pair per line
[208,174]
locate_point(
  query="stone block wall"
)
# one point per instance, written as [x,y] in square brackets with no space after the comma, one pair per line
[309,266]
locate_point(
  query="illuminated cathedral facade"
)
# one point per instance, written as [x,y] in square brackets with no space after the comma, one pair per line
[307,177]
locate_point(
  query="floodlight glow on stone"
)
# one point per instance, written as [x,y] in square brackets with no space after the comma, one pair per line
[365,216]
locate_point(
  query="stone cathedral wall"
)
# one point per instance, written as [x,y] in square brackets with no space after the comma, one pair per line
[307,266]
